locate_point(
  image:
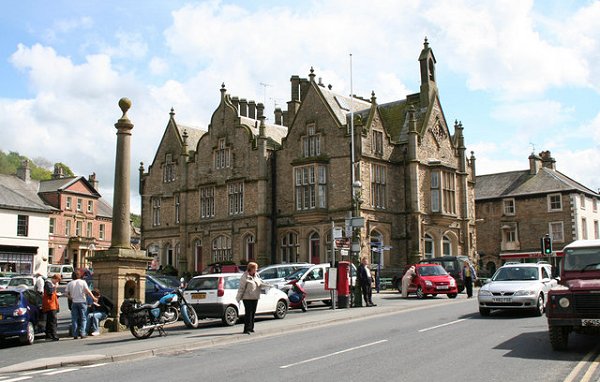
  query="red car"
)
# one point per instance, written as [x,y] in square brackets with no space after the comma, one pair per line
[432,279]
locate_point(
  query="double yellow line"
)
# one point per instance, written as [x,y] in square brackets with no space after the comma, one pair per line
[585,363]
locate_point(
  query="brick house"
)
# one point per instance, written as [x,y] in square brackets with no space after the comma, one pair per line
[81,222]
[516,209]
[246,189]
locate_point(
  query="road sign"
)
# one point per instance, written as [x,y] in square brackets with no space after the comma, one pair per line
[342,243]
[337,233]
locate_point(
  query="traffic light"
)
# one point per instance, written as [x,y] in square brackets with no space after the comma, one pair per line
[546,245]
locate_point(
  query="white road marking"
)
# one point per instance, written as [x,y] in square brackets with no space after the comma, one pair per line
[15,379]
[332,354]
[442,325]
[60,371]
[37,371]
[94,365]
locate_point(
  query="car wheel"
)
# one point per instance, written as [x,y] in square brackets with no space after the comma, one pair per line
[29,337]
[230,316]
[539,306]
[434,295]
[559,337]
[484,311]
[452,295]
[420,293]
[280,309]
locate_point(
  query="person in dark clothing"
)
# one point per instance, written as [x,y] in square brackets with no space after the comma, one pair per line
[469,275]
[364,275]
[50,306]
[97,312]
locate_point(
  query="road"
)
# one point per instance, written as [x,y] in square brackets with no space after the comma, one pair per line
[446,340]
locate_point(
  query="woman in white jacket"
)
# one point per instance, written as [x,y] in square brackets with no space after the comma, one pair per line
[249,293]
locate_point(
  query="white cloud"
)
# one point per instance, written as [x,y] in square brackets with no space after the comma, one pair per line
[63,27]
[158,66]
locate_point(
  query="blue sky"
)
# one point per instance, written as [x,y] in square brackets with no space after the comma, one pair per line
[522,76]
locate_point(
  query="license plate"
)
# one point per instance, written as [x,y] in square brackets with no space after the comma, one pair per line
[198,296]
[442,287]
[502,299]
[590,322]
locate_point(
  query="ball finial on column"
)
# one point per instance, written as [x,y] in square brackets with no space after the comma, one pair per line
[124,104]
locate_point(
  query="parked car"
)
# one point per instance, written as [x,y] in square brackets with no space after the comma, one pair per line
[4,282]
[65,271]
[432,279]
[224,268]
[213,296]
[19,314]
[453,265]
[158,285]
[312,280]
[275,274]
[517,286]
[18,281]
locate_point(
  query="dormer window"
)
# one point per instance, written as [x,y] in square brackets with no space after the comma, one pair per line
[222,155]
[311,142]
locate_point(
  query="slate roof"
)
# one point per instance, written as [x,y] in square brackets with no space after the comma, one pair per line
[275,132]
[16,194]
[522,183]
[194,134]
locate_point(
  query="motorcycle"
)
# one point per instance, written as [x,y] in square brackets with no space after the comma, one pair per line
[297,296]
[143,319]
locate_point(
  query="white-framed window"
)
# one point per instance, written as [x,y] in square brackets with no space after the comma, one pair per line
[89,232]
[289,248]
[594,205]
[90,206]
[222,155]
[311,187]
[377,137]
[429,253]
[68,228]
[22,225]
[555,202]
[235,192]
[68,203]
[584,230]
[311,142]
[79,204]
[596,230]
[221,249]
[582,201]
[435,191]
[177,205]
[556,230]
[378,186]
[52,225]
[169,169]
[207,202]
[156,211]
[101,231]
[249,243]
[509,206]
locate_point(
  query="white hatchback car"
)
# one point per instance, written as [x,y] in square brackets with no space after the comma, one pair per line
[517,286]
[213,296]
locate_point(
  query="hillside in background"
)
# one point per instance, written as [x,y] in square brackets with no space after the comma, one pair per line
[41,168]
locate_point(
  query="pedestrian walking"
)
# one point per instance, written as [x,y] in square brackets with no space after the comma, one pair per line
[469,274]
[366,280]
[97,312]
[249,293]
[50,306]
[407,279]
[77,290]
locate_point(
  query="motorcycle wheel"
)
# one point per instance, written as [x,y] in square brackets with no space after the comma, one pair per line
[171,314]
[141,333]
[190,318]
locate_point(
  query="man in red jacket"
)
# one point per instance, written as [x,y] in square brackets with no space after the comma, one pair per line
[50,306]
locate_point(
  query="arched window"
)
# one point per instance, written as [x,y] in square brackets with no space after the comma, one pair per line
[221,249]
[446,246]
[314,248]
[428,247]
[289,248]
[198,256]
[249,247]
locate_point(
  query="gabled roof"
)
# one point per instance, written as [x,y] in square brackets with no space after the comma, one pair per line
[522,183]
[275,132]
[62,184]
[194,134]
[342,105]
[16,194]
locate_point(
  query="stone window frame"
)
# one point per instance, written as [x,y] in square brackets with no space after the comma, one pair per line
[78,228]
[169,169]
[68,227]
[288,247]
[314,246]
[428,240]
[89,231]
[553,202]
[221,249]
[177,205]
[509,207]
[311,142]
[378,186]
[249,241]
[584,228]
[557,231]
[582,201]
[235,197]
[222,155]
[207,202]
[155,211]
[442,189]
[377,142]
[446,246]
[310,187]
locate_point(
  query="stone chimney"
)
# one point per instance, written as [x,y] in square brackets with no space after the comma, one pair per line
[252,109]
[58,172]
[236,102]
[24,172]
[243,107]
[547,160]
[278,116]
[93,181]
[535,163]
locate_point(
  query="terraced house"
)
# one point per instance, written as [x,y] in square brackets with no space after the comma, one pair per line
[247,189]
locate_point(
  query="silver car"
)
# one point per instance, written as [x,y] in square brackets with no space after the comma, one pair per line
[275,274]
[517,286]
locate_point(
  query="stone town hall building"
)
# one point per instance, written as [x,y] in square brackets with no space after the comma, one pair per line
[247,189]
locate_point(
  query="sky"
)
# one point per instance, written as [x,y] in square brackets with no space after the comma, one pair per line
[522,76]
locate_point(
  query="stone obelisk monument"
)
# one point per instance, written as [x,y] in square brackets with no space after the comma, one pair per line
[120,271]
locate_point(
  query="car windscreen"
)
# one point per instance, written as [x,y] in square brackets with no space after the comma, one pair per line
[203,283]
[167,281]
[232,282]
[434,270]
[21,281]
[296,275]
[579,259]
[4,282]
[516,274]
[8,299]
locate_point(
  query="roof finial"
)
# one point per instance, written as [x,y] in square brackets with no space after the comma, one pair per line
[426,43]
[172,113]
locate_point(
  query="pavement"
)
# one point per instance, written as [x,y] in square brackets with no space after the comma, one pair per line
[122,346]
